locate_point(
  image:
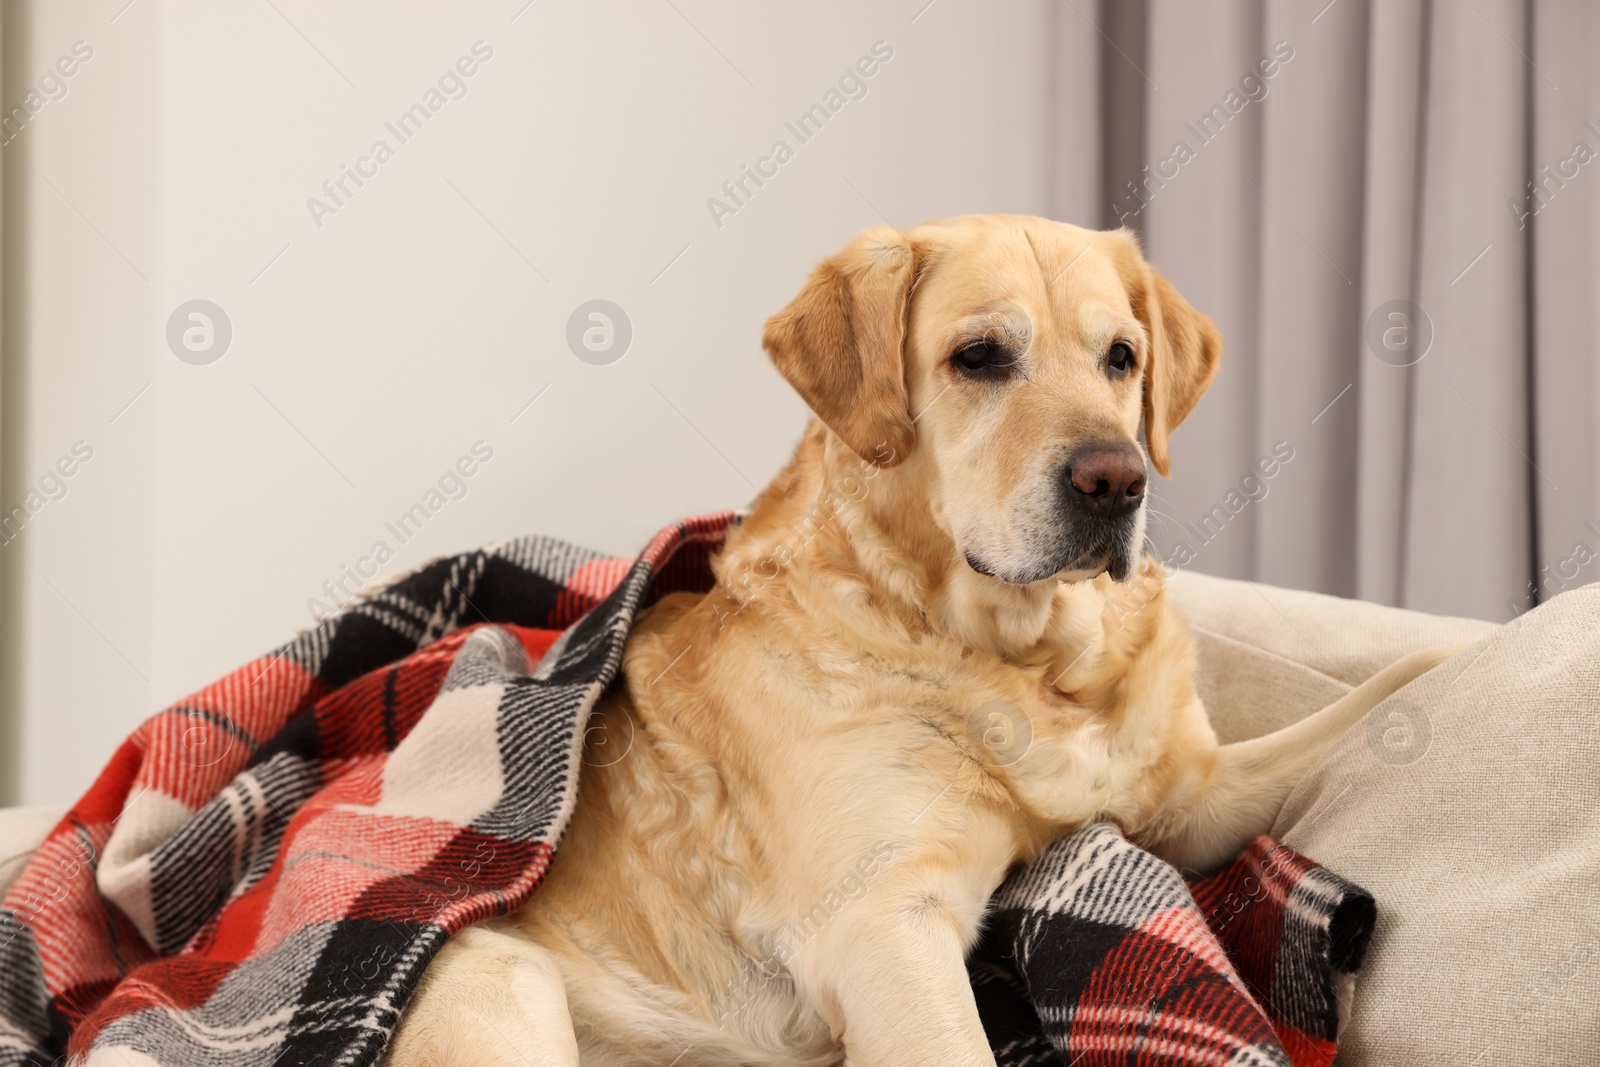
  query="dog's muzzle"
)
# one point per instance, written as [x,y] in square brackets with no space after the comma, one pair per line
[1102,489]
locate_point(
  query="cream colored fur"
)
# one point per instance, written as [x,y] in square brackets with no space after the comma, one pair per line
[838,753]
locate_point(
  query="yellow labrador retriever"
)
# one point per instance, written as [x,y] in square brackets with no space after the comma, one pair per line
[905,683]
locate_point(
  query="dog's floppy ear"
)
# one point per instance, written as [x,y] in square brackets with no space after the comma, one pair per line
[841,343]
[1184,350]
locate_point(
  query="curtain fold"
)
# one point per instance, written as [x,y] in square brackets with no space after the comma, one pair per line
[1389,211]
[1468,533]
[1397,72]
[1564,281]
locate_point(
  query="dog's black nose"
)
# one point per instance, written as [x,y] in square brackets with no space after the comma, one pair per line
[1107,479]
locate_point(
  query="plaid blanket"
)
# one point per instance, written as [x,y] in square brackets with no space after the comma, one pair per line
[263,870]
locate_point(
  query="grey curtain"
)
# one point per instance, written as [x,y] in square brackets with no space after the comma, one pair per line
[1392,211]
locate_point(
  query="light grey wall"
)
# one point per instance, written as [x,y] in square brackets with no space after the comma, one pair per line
[372,350]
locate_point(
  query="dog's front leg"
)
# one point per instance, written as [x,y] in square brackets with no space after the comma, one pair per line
[891,978]
[491,997]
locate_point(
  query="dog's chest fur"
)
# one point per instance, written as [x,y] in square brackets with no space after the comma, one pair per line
[789,769]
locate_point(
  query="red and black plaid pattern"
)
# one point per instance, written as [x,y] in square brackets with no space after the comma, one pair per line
[1097,953]
[263,870]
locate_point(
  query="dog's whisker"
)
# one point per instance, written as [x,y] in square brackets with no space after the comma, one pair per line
[1152,493]
[1162,518]
[1159,519]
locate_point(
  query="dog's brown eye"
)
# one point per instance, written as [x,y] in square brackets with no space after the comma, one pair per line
[1120,360]
[984,360]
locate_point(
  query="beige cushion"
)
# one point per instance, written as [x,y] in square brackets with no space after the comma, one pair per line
[1467,806]
[1270,656]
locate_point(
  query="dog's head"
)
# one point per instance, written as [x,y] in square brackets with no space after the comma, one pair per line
[1010,362]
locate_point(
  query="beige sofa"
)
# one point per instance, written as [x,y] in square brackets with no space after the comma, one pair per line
[1469,804]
